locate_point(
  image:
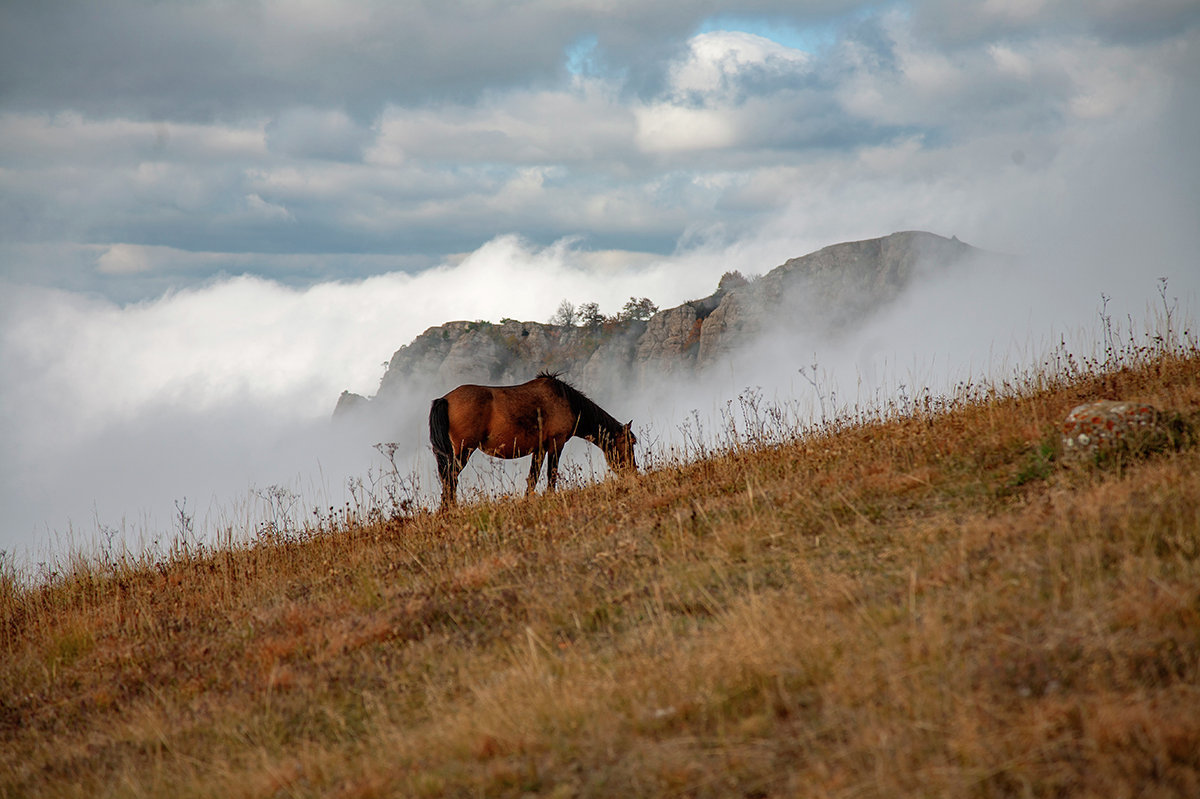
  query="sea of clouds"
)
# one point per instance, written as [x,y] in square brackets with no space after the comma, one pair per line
[181,415]
[233,215]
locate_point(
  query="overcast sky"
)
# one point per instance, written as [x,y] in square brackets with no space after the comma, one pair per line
[209,207]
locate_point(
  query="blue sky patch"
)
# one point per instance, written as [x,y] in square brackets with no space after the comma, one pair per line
[581,55]
[810,38]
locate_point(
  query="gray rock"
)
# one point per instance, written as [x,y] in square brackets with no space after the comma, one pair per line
[1108,425]
[670,343]
[349,403]
[827,291]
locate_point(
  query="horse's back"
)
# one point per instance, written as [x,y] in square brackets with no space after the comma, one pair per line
[469,394]
[509,421]
[534,393]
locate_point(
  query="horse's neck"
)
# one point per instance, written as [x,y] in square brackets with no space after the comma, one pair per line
[595,423]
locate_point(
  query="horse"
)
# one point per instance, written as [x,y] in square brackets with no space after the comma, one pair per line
[535,418]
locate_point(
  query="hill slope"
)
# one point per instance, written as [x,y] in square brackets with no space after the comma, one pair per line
[921,603]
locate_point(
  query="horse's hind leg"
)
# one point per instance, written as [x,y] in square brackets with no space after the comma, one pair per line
[450,489]
[535,471]
[448,470]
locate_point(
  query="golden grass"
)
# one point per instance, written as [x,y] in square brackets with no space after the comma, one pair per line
[925,604]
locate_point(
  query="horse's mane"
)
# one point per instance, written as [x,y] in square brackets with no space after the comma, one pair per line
[591,416]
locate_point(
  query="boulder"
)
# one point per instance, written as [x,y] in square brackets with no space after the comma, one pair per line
[1110,425]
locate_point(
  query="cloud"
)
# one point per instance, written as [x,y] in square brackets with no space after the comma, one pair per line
[326,137]
[1111,21]
[199,62]
[114,412]
[578,124]
[669,128]
[717,61]
[69,137]
[259,207]
[123,259]
[316,134]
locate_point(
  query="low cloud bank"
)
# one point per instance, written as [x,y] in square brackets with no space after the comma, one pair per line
[139,418]
[113,414]
[1064,138]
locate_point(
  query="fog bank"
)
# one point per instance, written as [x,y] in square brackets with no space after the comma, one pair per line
[132,421]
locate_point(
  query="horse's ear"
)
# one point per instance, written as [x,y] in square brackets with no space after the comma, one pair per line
[628,425]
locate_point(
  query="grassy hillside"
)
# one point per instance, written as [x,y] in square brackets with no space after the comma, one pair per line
[926,601]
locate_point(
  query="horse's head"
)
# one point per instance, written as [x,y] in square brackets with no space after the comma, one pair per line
[619,450]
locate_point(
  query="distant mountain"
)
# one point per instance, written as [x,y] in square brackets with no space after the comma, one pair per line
[823,292]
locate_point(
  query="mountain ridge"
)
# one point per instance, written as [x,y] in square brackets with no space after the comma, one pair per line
[825,291]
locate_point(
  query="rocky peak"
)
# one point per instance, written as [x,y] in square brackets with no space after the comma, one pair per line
[825,290]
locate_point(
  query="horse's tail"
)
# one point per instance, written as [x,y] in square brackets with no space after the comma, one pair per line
[439,435]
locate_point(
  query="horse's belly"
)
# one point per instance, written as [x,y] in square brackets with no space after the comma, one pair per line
[504,451]
[508,448]
[519,444]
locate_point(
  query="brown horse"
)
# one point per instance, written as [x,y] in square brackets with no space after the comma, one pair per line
[534,418]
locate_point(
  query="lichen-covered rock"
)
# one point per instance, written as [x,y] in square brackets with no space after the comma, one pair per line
[1107,425]
[727,327]
[669,343]
[609,370]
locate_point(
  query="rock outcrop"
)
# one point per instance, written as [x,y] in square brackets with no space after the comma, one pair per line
[1107,426]
[825,291]
[509,352]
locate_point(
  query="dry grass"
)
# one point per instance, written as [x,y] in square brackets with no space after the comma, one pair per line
[926,603]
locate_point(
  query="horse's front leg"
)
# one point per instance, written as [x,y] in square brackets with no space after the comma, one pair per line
[552,468]
[535,471]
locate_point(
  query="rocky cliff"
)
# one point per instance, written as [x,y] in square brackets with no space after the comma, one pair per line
[825,291]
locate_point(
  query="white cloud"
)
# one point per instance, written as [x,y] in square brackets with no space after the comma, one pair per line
[244,370]
[952,22]
[217,388]
[637,165]
[582,121]
[706,107]
[1108,81]
[1013,10]
[1010,62]
[715,60]
[68,137]
[670,128]
[259,207]
[249,340]
[315,133]
[123,259]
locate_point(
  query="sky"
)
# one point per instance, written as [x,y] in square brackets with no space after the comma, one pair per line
[216,216]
